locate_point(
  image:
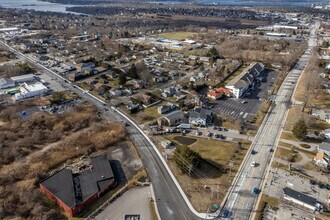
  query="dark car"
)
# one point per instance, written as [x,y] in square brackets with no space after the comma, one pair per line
[220,128]
[253,152]
[327,186]
[321,185]
[312,182]
[217,135]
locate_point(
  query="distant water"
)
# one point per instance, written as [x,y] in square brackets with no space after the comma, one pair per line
[35,5]
[263,3]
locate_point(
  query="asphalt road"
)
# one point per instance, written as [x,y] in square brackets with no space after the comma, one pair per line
[241,199]
[170,203]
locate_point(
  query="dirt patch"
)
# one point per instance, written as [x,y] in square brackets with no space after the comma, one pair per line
[185,140]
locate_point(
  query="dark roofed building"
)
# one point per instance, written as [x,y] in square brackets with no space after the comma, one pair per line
[73,192]
[300,198]
[200,117]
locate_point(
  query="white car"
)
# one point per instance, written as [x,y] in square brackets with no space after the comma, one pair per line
[253,164]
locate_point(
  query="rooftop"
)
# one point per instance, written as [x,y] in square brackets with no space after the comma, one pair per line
[299,196]
[247,75]
[74,189]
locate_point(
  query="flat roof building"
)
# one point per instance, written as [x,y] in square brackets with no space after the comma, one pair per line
[300,198]
[6,83]
[23,78]
[29,91]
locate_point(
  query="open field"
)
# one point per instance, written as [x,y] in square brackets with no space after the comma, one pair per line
[214,172]
[176,35]
[41,144]
[288,155]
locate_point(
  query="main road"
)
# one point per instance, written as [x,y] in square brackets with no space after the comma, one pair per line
[169,199]
[241,200]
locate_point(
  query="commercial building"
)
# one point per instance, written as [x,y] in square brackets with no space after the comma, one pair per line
[23,78]
[29,91]
[6,83]
[300,198]
[74,191]
[242,83]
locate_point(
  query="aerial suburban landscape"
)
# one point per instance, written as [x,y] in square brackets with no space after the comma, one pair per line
[164,110]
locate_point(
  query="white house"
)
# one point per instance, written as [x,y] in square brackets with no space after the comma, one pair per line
[200,117]
[322,160]
[29,91]
[242,83]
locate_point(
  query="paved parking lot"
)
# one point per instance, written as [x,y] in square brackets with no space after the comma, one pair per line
[245,108]
[133,202]
[279,179]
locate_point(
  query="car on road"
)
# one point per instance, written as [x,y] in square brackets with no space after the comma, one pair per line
[244,102]
[220,128]
[312,182]
[209,134]
[256,190]
[253,164]
[321,185]
[215,128]
[217,135]
[253,152]
[327,186]
[199,133]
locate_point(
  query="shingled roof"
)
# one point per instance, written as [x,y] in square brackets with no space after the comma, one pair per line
[74,189]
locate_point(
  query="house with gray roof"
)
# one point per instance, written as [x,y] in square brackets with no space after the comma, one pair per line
[171,119]
[200,117]
[242,83]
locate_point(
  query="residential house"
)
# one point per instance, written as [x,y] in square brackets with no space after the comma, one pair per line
[86,68]
[170,91]
[326,133]
[203,75]
[322,160]
[166,108]
[324,147]
[200,117]
[242,83]
[194,79]
[132,107]
[171,119]
[139,85]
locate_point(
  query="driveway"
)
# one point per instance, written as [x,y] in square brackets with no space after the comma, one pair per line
[133,202]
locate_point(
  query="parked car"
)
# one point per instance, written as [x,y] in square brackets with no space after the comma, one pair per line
[312,182]
[253,164]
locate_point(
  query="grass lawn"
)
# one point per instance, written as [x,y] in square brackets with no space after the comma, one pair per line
[185,140]
[197,52]
[288,136]
[288,155]
[214,169]
[176,35]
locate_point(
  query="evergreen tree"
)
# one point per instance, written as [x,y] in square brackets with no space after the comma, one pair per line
[300,129]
